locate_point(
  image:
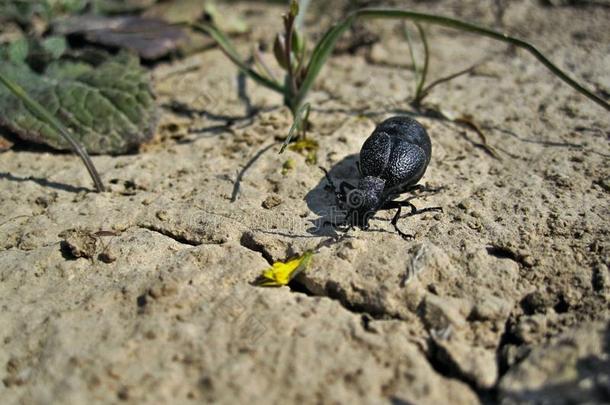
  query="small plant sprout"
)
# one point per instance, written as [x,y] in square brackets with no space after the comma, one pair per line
[290,51]
[281,274]
[302,66]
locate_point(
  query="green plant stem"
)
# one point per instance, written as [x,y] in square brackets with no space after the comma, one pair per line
[424,72]
[258,59]
[405,30]
[324,48]
[300,122]
[290,68]
[426,90]
[44,115]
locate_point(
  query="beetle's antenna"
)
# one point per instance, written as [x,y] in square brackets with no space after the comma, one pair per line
[339,196]
[330,181]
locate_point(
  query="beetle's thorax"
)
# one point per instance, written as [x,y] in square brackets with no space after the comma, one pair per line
[372,188]
[365,200]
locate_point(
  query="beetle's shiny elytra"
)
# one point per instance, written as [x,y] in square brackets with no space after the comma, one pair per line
[398,152]
[392,160]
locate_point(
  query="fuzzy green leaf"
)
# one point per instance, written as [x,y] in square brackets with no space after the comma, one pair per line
[108,109]
[23,11]
[18,50]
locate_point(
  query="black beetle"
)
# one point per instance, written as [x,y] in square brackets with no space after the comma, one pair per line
[392,160]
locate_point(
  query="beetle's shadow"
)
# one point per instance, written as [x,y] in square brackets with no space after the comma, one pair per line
[321,199]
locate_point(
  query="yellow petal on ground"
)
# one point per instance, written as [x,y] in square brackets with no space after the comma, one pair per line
[304,145]
[281,273]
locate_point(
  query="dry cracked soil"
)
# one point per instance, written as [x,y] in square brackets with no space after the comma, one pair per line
[144,294]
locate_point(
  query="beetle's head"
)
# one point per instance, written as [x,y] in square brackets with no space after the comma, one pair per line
[363,201]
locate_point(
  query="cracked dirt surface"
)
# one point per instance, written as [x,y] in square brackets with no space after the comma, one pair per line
[143,294]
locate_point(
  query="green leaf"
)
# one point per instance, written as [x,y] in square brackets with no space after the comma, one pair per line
[18,51]
[294,8]
[299,123]
[38,111]
[55,45]
[416,71]
[23,11]
[298,44]
[108,109]
[67,6]
[61,70]
[424,71]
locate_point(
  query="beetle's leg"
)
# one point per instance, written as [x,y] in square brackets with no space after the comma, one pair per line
[414,211]
[420,188]
[427,209]
[407,203]
[398,205]
[331,186]
[403,235]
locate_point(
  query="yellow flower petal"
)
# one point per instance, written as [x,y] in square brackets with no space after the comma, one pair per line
[281,273]
[304,145]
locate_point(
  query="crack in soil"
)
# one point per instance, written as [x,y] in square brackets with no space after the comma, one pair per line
[440,361]
[178,238]
[440,364]
[247,241]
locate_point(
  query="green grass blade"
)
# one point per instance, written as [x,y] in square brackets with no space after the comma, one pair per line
[320,55]
[261,65]
[300,120]
[424,71]
[226,46]
[326,45]
[44,115]
[405,30]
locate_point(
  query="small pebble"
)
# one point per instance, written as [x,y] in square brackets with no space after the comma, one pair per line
[272,201]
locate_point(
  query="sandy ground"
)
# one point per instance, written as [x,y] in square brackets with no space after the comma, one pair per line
[503,297]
